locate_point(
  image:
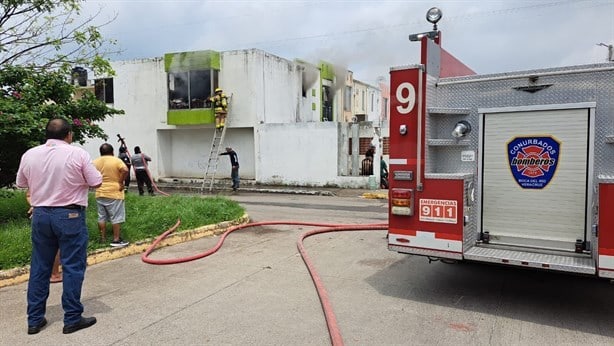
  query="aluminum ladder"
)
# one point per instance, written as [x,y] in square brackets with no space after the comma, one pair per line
[214,158]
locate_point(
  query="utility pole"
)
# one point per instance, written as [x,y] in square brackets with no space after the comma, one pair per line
[610,50]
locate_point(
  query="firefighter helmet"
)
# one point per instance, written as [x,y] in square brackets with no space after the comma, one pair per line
[218,90]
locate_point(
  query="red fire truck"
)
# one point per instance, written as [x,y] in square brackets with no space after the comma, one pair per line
[514,168]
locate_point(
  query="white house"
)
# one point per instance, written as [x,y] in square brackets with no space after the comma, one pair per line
[285,121]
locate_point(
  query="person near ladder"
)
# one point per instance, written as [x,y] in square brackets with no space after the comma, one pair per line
[139,163]
[220,105]
[234,162]
[123,155]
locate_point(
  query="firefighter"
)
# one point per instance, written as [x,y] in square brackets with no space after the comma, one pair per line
[220,104]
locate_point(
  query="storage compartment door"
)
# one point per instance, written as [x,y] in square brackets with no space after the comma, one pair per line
[534,177]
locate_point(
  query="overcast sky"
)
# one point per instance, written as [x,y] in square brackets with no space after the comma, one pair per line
[367,37]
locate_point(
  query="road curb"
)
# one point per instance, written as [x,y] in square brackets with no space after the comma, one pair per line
[289,191]
[375,195]
[16,276]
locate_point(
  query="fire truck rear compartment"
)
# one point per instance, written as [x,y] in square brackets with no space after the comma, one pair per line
[551,215]
[513,168]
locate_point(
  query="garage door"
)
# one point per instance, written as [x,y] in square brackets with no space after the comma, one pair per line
[534,177]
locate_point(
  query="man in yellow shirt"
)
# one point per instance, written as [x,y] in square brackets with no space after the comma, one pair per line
[110,195]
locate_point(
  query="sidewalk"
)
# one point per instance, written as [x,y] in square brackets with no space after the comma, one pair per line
[222,186]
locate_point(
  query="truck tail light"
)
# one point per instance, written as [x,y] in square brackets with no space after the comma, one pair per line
[402,201]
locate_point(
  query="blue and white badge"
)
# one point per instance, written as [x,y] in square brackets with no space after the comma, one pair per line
[533,160]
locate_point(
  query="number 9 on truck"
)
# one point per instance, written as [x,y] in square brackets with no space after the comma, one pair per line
[406,95]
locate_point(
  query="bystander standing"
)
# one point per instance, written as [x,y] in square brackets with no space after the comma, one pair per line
[110,195]
[58,176]
[139,162]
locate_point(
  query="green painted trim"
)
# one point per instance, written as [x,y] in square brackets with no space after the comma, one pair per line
[327,71]
[321,98]
[190,116]
[313,106]
[190,61]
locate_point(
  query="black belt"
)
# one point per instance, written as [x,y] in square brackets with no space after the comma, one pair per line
[70,206]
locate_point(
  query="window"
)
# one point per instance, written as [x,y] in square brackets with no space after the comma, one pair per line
[372,101]
[189,90]
[103,89]
[362,97]
[347,99]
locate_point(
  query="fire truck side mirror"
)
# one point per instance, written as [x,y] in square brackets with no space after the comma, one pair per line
[461,129]
[403,130]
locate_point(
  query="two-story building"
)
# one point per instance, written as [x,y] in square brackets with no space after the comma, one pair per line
[288,120]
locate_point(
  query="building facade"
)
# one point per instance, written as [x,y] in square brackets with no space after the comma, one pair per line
[287,119]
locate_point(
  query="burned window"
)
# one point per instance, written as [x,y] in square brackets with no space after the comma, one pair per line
[178,94]
[103,89]
[327,104]
[189,90]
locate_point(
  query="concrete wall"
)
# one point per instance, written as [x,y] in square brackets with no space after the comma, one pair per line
[185,152]
[384,117]
[359,99]
[301,154]
[140,90]
[373,105]
[264,88]
[348,82]
[310,102]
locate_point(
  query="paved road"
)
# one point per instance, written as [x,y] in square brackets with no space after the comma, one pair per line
[256,290]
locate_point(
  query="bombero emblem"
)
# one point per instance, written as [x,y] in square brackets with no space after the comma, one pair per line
[533,160]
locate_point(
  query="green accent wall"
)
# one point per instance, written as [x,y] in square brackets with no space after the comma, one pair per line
[190,116]
[190,61]
[327,71]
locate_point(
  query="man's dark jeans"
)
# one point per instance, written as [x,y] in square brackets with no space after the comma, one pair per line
[54,228]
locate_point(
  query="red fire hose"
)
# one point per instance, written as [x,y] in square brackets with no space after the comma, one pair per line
[331,321]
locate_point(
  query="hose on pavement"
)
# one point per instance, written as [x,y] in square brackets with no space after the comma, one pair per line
[331,321]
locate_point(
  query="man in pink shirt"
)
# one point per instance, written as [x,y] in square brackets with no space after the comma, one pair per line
[58,176]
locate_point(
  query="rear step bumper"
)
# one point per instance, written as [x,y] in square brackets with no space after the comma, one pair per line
[572,263]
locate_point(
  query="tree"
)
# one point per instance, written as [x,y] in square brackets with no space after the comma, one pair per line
[28,99]
[40,42]
[51,34]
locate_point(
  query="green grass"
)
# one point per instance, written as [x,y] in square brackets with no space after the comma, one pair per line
[146,217]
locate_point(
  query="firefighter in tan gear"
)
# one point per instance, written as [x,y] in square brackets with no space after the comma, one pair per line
[220,105]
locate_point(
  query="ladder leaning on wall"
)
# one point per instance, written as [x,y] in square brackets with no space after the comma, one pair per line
[214,158]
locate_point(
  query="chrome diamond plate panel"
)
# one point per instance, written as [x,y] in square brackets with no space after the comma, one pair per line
[425,252]
[606,274]
[470,230]
[453,99]
[593,85]
[603,178]
[574,264]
